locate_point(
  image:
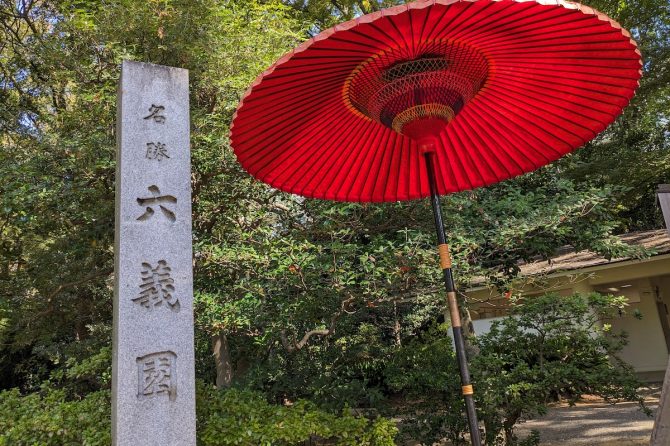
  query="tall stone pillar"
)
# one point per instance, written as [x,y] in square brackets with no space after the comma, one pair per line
[153,375]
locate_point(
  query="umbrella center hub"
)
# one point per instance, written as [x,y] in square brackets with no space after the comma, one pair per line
[417,96]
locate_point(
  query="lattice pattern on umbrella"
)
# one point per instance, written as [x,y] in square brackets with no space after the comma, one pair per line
[394,90]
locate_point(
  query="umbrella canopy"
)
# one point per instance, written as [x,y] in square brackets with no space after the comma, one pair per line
[500,87]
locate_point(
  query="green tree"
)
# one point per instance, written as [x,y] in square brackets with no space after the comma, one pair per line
[548,348]
[551,347]
[295,298]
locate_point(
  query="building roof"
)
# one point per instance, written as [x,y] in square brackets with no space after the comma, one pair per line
[657,241]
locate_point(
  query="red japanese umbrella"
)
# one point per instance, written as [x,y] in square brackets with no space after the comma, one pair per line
[435,97]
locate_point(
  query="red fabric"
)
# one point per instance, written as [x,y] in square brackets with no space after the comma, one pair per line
[559,73]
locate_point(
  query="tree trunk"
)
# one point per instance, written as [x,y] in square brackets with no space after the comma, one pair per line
[508,427]
[660,435]
[471,350]
[396,325]
[224,366]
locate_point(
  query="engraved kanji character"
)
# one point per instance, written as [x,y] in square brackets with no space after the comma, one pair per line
[156,151]
[157,287]
[156,199]
[157,375]
[155,114]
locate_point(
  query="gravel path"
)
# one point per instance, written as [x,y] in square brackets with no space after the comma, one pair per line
[594,423]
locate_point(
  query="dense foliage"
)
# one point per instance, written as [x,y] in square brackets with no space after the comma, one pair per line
[295,299]
[225,418]
[549,348]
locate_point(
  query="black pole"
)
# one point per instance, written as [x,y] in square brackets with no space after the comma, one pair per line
[445,263]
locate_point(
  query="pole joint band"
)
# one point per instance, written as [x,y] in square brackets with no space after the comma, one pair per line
[468,390]
[453,309]
[445,257]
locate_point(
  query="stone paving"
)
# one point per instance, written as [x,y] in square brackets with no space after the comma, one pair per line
[595,423]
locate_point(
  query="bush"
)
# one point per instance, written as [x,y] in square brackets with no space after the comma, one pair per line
[424,371]
[551,347]
[49,418]
[245,418]
[233,417]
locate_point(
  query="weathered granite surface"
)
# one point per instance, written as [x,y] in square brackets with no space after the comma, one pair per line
[153,381]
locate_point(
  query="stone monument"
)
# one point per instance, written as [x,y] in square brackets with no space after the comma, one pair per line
[153,373]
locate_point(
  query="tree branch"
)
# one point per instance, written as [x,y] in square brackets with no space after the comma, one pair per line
[74,283]
[292,346]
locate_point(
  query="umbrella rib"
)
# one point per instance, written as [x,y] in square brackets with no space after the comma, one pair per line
[373,165]
[490,25]
[537,44]
[467,26]
[487,131]
[534,82]
[423,177]
[460,160]
[283,96]
[411,34]
[393,188]
[504,132]
[539,34]
[534,125]
[257,107]
[539,95]
[382,33]
[320,67]
[470,152]
[443,177]
[351,159]
[554,64]
[278,134]
[361,164]
[407,152]
[562,74]
[336,50]
[387,165]
[486,149]
[277,131]
[436,22]
[488,110]
[288,155]
[456,162]
[538,24]
[332,151]
[335,80]
[373,47]
[426,13]
[352,162]
[581,57]
[541,113]
[281,99]
[318,163]
[300,79]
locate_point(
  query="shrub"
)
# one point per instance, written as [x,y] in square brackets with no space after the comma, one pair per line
[550,347]
[424,372]
[245,418]
[49,418]
[233,417]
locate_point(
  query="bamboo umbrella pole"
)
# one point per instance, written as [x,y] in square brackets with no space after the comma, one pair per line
[445,263]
